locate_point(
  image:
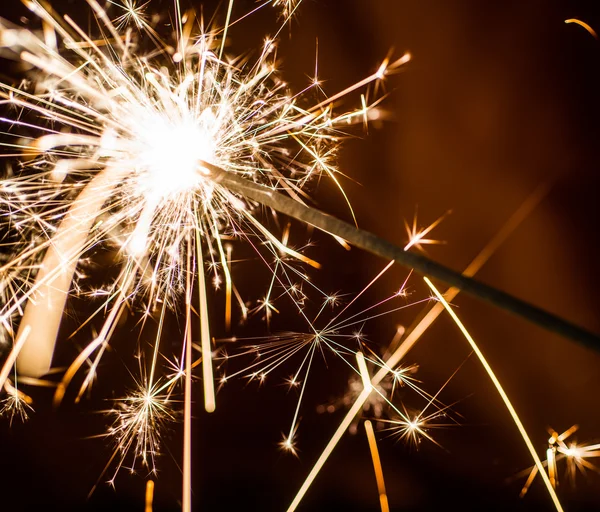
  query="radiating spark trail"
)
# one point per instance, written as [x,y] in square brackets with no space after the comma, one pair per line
[133,12]
[139,420]
[413,426]
[12,356]
[383,499]
[227,22]
[383,271]
[288,7]
[584,25]
[16,404]
[502,394]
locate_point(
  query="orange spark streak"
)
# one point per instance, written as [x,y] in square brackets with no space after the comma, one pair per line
[149,495]
[186,502]
[584,25]
[383,500]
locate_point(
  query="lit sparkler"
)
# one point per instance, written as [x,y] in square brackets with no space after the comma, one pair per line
[129,146]
[126,156]
[119,136]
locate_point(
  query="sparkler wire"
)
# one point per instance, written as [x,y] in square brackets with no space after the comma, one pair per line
[376,245]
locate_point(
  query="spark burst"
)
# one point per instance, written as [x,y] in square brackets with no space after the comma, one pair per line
[575,456]
[139,421]
[118,138]
[116,135]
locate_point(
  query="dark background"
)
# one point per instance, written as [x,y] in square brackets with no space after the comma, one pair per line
[498,98]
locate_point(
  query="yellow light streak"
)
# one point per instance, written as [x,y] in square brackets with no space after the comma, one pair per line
[186,502]
[551,458]
[354,410]
[43,315]
[364,372]
[207,362]
[502,394]
[228,285]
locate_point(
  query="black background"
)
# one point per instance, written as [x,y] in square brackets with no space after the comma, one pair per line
[498,97]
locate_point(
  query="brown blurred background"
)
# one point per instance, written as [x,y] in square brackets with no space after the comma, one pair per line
[498,99]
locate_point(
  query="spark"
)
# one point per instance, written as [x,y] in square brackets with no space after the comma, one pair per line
[139,421]
[288,7]
[414,427]
[16,404]
[574,454]
[288,443]
[591,31]
[134,12]
[416,236]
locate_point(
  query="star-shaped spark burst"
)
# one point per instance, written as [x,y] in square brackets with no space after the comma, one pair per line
[119,134]
[574,455]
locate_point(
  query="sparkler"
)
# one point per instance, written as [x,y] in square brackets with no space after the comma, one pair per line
[124,158]
[130,155]
[161,154]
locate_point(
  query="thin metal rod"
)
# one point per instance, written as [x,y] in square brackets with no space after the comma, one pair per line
[421,264]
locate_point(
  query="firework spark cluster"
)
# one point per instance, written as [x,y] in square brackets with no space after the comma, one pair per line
[114,131]
[112,140]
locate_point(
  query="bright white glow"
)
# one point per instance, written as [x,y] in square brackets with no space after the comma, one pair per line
[170,152]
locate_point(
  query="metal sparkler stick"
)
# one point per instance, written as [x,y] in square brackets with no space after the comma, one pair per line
[421,264]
